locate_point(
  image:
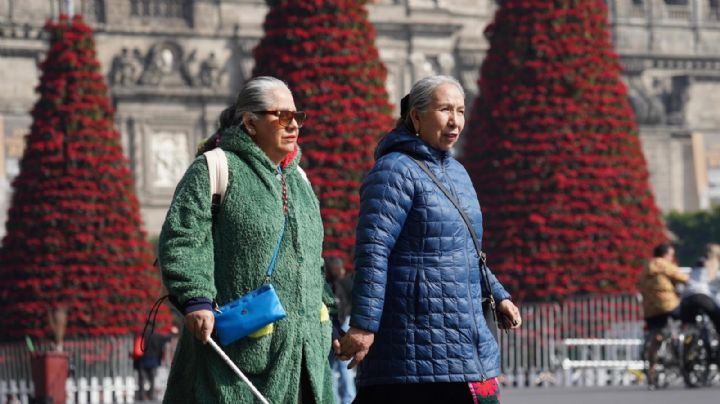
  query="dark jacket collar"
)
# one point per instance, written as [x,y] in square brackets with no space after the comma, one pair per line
[402,140]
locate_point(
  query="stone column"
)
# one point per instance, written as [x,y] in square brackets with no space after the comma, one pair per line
[2,149]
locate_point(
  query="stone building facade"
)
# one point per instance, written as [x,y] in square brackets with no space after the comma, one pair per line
[173,65]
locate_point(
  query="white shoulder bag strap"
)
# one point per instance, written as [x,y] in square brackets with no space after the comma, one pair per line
[303,174]
[218,172]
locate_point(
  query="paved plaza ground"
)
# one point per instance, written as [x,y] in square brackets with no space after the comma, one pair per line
[612,395]
[604,395]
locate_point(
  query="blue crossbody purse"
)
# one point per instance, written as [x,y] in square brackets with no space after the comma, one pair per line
[252,311]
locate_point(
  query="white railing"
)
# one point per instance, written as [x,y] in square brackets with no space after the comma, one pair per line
[78,391]
[100,371]
[582,341]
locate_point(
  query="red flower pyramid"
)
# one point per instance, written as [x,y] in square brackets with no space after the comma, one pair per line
[554,153]
[74,233]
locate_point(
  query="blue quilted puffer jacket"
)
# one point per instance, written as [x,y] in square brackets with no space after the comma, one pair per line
[417,279]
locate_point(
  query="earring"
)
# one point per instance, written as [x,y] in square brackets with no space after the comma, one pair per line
[417,134]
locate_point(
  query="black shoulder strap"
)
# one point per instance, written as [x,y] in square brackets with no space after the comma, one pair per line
[456,203]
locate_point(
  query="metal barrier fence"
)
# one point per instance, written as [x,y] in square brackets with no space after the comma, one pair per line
[582,341]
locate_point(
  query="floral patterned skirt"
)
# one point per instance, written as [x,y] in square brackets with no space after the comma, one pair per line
[486,392]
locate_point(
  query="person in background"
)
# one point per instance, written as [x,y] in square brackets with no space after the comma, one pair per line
[149,361]
[700,294]
[341,285]
[657,285]
[417,330]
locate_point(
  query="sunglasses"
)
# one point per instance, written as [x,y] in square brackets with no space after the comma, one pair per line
[285,117]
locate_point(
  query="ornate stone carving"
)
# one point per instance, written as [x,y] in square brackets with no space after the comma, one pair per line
[645,102]
[663,102]
[209,74]
[391,85]
[168,158]
[164,61]
[166,64]
[468,79]
[124,69]
[421,66]
[446,63]
[676,98]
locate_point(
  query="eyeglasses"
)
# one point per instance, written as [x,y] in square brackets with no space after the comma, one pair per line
[285,117]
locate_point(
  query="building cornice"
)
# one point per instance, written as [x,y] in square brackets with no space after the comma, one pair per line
[637,63]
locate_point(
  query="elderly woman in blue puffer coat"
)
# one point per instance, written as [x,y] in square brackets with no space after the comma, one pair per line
[417,327]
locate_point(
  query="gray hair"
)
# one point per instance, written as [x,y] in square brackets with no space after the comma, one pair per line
[421,94]
[254,96]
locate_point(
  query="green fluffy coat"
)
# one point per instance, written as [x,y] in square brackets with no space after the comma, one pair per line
[225,261]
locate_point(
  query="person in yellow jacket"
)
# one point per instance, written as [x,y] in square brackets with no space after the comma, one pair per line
[657,285]
[660,300]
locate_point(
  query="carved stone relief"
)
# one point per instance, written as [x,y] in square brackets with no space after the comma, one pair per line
[168,157]
[124,68]
[421,66]
[676,97]
[165,64]
[209,74]
[392,84]
[646,102]
[446,64]
[426,65]
[246,61]
[468,79]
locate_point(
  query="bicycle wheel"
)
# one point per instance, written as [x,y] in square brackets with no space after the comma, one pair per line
[657,355]
[696,359]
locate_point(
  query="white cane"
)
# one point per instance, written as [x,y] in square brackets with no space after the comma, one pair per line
[237,370]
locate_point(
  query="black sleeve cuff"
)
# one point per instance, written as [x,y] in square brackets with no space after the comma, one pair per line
[197,304]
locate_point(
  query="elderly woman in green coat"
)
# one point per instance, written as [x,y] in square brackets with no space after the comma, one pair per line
[205,263]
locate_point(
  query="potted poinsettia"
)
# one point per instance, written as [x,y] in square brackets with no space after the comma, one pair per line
[50,368]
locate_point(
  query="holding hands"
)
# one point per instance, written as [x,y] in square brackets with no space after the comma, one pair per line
[357,342]
[354,345]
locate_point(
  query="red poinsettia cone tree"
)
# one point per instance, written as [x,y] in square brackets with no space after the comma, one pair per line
[325,51]
[74,235]
[554,152]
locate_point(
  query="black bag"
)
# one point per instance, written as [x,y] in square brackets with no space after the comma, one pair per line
[488,302]
[493,318]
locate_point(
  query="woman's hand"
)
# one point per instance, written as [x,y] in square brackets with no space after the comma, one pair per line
[200,324]
[512,313]
[355,344]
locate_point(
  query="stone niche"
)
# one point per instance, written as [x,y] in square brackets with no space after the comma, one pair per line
[703,107]
[160,147]
[18,91]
